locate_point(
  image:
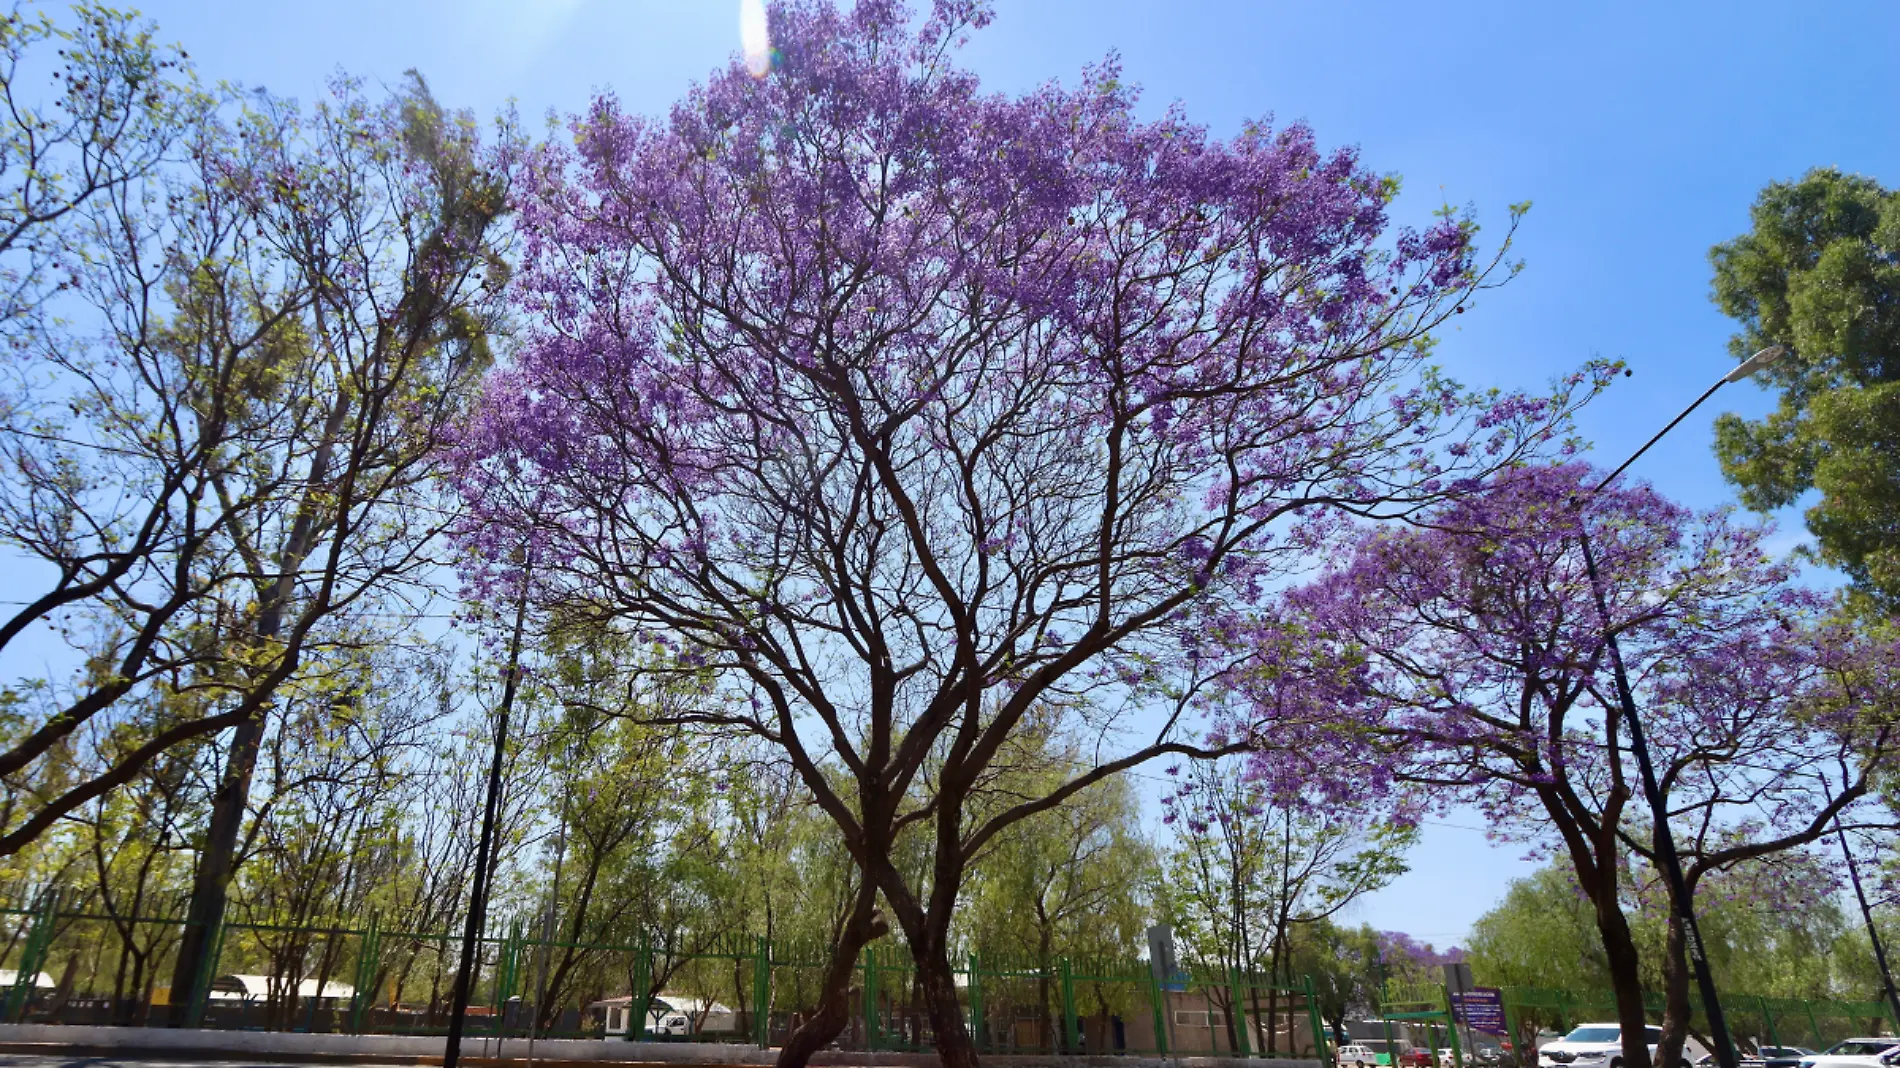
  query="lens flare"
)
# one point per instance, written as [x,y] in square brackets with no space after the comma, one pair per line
[755,37]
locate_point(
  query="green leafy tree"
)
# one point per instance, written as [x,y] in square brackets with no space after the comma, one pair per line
[1765,932]
[1245,873]
[1542,934]
[1819,273]
[233,333]
[1064,883]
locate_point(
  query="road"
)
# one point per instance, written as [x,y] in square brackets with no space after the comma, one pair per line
[14,1060]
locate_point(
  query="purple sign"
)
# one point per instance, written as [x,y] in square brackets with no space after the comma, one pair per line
[1481,1008]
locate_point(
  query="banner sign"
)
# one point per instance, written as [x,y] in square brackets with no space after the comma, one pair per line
[1481,1008]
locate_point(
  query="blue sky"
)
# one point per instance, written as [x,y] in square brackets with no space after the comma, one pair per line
[1640,131]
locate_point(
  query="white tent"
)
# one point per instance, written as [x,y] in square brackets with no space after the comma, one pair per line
[708,1016]
[257,988]
[10,976]
[617,1013]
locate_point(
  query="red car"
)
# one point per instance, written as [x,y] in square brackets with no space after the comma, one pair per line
[1416,1058]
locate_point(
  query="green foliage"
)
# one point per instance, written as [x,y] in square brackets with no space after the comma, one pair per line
[1243,874]
[1343,963]
[1542,934]
[1763,942]
[1819,273]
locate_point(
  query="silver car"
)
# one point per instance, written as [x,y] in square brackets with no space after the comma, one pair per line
[1857,1053]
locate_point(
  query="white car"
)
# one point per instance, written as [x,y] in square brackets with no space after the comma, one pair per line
[1600,1045]
[1856,1053]
[1363,1053]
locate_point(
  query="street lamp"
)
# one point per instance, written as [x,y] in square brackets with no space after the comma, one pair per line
[1665,841]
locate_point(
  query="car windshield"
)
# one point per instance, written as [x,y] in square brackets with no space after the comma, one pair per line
[1861,1047]
[1593,1034]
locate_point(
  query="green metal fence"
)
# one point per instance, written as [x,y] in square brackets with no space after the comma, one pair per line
[77,962]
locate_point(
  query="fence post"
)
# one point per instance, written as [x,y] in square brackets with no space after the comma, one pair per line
[1451,1024]
[1237,1018]
[39,939]
[507,960]
[368,956]
[762,994]
[1505,1000]
[1813,1023]
[1314,1019]
[1071,1027]
[978,1025]
[1768,1020]
[1158,998]
[870,997]
[642,996]
[1391,1045]
[200,991]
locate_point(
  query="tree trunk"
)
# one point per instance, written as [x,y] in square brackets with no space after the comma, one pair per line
[834,999]
[211,882]
[955,1049]
[1626,980]
[1676,1011]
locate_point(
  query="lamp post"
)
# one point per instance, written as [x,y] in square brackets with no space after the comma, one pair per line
[1665,840]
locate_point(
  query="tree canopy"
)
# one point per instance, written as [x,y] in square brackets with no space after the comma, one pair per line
[1819,273]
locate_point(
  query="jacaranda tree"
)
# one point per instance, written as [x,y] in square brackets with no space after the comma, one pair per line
[1467,658]
[906,412]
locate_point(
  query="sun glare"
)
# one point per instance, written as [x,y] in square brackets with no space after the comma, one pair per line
[755,37]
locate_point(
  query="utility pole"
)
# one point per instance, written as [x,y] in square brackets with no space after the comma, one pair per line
[484,847]
[1867,914]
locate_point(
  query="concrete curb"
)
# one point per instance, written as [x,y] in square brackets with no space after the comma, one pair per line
[198,1046]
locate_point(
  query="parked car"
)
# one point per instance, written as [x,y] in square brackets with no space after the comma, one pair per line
[1600,1045]
[1363,1054]
[1415,1057]
[1856,1053]
[1776,1057]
